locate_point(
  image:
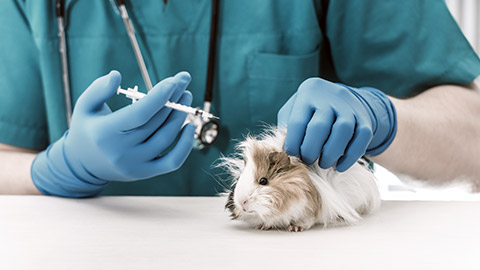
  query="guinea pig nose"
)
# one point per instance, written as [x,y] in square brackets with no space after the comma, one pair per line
[244,204]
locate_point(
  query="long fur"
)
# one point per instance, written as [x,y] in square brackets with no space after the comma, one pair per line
[297,196]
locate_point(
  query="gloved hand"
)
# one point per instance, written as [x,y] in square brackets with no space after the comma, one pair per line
[337,124]
[126,145]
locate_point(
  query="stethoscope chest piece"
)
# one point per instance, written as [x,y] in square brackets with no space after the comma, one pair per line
[206,131]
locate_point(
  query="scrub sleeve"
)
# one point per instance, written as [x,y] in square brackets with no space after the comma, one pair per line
[399,47]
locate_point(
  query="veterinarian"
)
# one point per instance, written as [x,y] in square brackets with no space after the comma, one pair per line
[389,79]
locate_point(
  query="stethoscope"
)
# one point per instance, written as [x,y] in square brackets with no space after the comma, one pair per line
[207,130]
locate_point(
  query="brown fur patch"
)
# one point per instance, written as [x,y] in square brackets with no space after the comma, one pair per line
[287,177]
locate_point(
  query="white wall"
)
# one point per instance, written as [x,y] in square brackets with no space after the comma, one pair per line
[467,14]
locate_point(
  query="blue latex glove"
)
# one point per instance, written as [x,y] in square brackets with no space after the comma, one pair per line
[337,124]
[126,145]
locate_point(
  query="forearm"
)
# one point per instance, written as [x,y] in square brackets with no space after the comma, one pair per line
[15,167]
[438,136]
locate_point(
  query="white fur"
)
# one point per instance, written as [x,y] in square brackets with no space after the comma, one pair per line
[348,195]
[344,196]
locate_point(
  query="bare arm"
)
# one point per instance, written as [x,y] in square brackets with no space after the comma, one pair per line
[438,136]
[15,165]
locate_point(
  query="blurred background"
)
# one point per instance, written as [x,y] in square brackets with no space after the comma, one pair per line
[467,15]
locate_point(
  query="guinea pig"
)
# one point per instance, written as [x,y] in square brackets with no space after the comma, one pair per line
[272,190]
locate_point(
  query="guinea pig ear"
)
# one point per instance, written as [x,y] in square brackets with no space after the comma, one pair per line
[280,158]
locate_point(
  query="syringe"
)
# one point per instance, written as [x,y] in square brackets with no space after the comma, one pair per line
[134,95]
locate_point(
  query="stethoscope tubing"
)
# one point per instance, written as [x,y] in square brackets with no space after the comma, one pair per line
[60,12]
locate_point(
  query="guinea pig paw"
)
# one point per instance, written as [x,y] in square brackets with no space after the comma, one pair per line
[295,228]
[262,227]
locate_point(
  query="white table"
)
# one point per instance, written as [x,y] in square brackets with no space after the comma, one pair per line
[39,232]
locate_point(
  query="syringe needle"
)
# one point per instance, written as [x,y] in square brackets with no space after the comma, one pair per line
[187,109]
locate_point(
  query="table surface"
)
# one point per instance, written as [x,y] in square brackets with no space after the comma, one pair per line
[38,232]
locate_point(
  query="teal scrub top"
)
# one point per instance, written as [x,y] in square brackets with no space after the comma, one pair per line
[265,50]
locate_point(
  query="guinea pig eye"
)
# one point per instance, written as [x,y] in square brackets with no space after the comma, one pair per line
[263,181]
